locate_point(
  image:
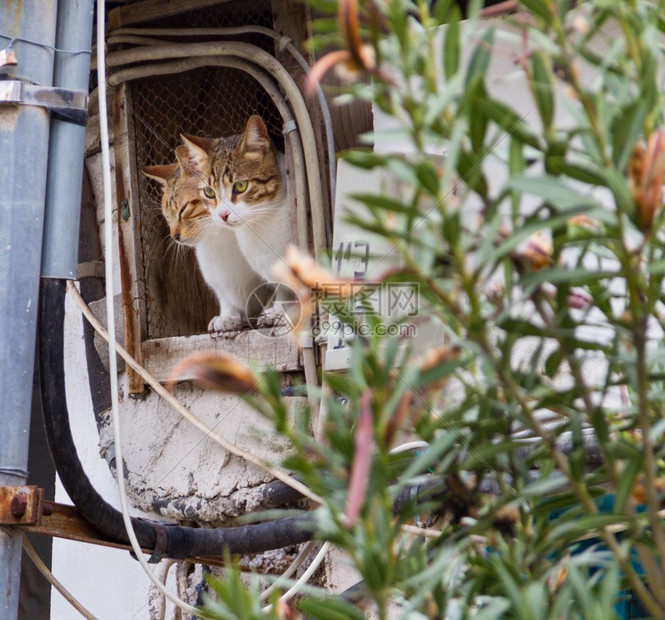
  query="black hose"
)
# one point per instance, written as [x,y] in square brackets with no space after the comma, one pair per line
[174,541]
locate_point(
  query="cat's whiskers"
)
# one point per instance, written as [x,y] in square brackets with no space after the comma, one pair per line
[172,254]
[261,212]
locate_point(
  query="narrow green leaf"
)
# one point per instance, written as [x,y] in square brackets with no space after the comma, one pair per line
[471,173]
[618,183]
[626,130]
[521,327]
[477,119]
[553,190]
[536,595]
[555,156]
[403,170]
[543,87]
[439,103]
[428,177]
[442,10]
[547,486]
[516,160]
[364,159]
[626,482]
[553,363]
[451,48]
[584,173]
[511,122]
[329,608]
[511,588]
[487,452]
[582,590]
[383,202]
[569,530]
[480,59]
[539,8]
[569,277]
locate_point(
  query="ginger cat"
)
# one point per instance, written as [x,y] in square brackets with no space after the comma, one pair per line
[220,260]
[250,199]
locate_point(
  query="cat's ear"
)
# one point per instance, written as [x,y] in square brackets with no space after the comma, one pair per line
[162,174]
[194,152]
[256,141]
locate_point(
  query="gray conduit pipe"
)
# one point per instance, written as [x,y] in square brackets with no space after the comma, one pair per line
[24,138]
[178,66]
[272,66]
[283,42]
[67,145]
[187,64]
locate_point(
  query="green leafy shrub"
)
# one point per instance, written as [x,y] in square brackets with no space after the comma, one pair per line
[539,245]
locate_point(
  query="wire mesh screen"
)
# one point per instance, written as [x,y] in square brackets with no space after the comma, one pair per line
[208,101]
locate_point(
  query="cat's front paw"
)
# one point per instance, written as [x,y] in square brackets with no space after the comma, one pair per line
[275,318]
[225,323]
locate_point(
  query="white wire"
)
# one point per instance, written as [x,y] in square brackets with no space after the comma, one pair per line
[50,577]
[304,552]
[182,410]
[113,366]
[304,578]
[282,42]
[411,445]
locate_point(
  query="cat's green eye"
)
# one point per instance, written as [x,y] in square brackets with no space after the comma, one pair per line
[239,187]
[208,192]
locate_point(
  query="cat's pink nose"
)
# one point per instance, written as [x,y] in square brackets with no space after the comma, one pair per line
[225,214]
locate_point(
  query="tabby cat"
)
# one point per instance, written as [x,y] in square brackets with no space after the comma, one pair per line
[222,264]
[246,192]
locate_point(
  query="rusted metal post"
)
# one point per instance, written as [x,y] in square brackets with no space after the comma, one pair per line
[24,138]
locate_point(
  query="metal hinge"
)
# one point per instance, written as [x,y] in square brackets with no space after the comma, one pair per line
[70,105]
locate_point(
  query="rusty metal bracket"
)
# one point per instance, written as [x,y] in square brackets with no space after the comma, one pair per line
[21,505]
[69,105]
[26,507]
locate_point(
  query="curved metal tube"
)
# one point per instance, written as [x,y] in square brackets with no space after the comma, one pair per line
[271,65]
[296,148]
[283,42]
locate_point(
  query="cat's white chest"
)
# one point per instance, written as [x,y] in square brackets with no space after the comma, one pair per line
[263,242]
[226,271]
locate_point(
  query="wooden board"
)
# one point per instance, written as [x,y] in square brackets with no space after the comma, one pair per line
[129,250]
[279,352]
[149,10]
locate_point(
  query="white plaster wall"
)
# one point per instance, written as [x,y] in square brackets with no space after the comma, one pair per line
[108,582]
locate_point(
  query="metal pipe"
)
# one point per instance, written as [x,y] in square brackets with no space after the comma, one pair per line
[65,175]
[282,41]
[24,135]
[266,82]
[293,137]
[273,67]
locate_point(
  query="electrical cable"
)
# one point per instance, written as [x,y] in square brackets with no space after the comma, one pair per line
[156,600]
[181,541]
[305,577]
[182,410]
[174,541]
[283,42]
[44,45]
[293,567]
[50,577]
[320,220]
[296,151]
[113,364]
